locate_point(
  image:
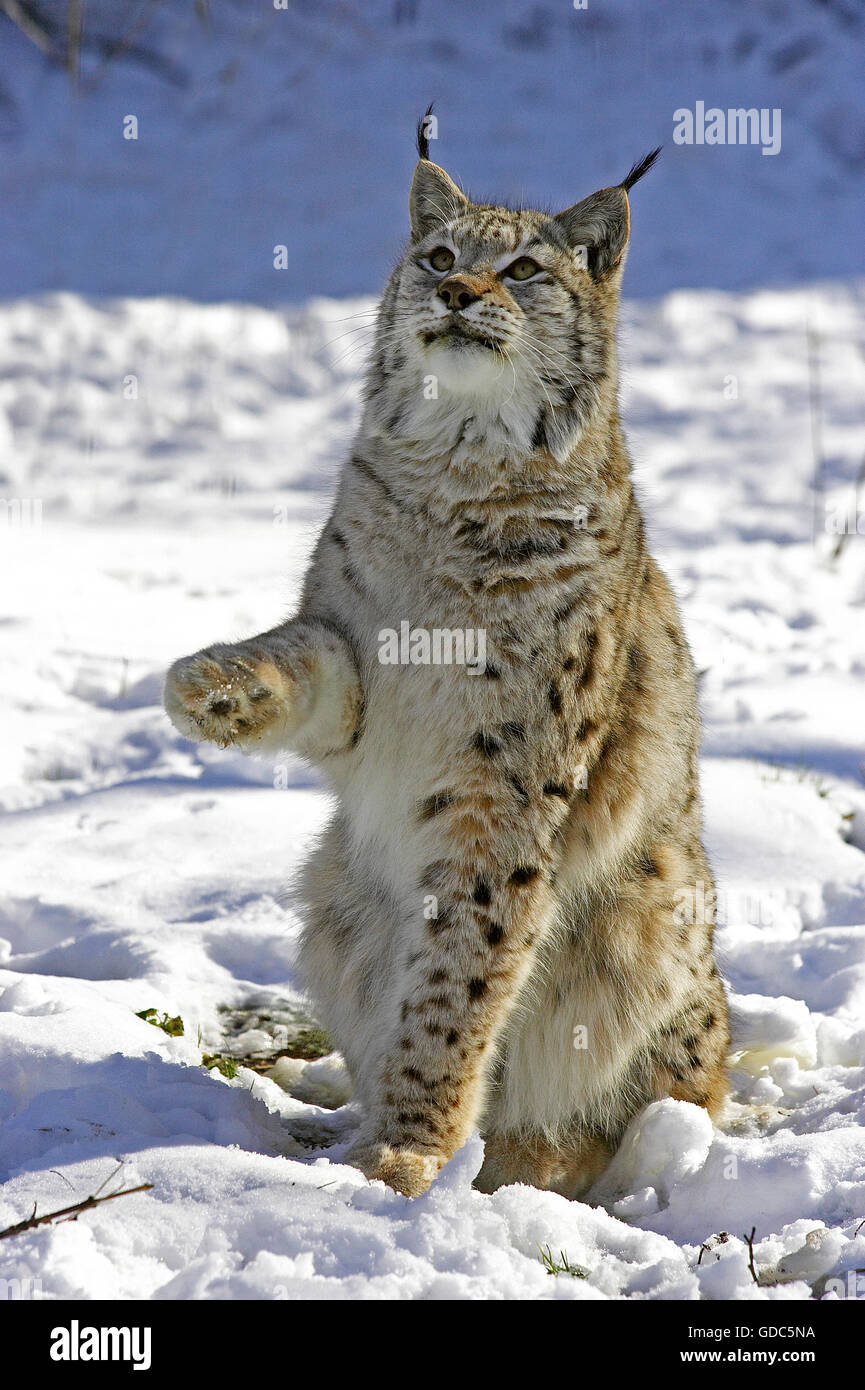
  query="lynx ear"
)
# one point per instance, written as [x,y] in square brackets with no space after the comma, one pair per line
[434,199]
[601,223]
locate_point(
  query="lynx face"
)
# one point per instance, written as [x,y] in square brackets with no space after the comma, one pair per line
[495,305]
[499,321]
[496,301]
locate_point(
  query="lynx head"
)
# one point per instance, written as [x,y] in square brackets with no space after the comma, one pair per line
[510,312]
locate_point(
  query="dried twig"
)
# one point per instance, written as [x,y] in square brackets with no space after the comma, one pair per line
[30,25]
[749,1241]
[74,28]
[69,1213]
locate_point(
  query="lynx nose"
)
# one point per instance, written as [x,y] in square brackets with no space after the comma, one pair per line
[456,293]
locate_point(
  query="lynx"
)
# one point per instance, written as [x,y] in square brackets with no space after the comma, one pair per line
[497,926]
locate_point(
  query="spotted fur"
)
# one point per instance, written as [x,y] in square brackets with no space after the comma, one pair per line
[476,903]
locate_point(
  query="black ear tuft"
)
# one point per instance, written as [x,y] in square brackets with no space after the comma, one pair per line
[422,137]
[638,170]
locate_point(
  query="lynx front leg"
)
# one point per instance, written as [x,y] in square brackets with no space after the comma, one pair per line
[296,686]
[492,901]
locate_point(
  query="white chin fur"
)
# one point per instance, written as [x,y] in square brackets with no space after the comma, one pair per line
[468,370]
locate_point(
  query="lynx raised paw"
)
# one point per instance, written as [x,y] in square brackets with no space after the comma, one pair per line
[404,1170]
[228,698]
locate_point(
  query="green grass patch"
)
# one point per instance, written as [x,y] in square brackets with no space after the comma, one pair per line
[172,1026]
[221,1062]
[562,1265]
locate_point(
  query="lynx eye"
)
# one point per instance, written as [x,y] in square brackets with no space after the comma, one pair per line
[523,269]
[441,258]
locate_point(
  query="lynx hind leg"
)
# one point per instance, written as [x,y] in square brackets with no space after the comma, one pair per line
[639,974]
[690,1059]
[688,1048]
[568,1166]
[347,953]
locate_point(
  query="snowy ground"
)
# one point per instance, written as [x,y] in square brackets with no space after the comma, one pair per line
[142,872]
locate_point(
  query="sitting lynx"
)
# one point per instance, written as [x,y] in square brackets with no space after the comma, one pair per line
[501,927]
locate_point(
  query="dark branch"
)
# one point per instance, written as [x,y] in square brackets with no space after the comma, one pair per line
[69,1213]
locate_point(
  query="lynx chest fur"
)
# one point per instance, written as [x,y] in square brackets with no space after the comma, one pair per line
[502,921]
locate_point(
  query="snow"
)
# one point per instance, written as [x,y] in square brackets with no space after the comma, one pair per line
[144,872]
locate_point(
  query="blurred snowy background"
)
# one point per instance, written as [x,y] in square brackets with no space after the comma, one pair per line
[173,412]
[259,126]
